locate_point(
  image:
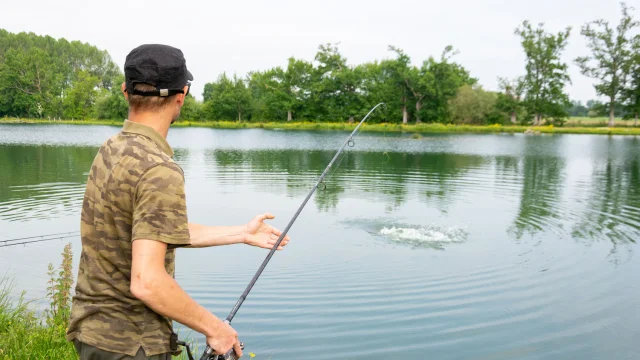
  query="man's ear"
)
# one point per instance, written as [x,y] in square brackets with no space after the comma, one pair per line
[123,88]
[181,97]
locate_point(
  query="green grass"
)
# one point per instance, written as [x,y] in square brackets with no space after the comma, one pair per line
[591,126]
[26,334]
[597,122]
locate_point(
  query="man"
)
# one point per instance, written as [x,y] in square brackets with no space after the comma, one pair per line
[134,217]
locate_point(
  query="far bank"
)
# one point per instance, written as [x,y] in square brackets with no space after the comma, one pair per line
[384,127]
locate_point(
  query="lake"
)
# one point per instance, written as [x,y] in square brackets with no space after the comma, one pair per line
[486,246]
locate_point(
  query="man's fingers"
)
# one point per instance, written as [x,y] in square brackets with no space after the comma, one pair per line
[265,216]
[277,233]
[237,349]
[273,241]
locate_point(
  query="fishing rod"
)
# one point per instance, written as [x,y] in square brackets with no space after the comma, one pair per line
[231,355]
[37,238]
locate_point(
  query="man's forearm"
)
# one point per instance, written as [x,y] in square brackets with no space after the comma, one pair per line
[204,236]
[163,294]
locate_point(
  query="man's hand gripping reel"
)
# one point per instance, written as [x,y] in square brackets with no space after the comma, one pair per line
[230,355]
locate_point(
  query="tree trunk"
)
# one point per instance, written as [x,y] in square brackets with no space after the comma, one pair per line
[635,121]
[351,119]
[239,116]
[405,114]
[536,120]
[418,107]
[289,115]
[612,121]
[513,117]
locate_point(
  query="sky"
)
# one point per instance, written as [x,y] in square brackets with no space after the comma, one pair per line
[242,36]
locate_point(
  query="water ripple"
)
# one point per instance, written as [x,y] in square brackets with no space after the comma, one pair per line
[42,201]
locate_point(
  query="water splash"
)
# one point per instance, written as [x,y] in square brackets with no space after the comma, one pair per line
[432,236]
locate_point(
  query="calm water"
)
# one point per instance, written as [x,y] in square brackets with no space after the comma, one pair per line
[445,247]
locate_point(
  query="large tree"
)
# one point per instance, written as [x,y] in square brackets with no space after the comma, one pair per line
[509,100]
[546,73]
[472,105]
[29,84]
[287,88]
[429,87]
[611,56]
[442,78]
[226,98]
[400,70]
[337,86]
[378,86]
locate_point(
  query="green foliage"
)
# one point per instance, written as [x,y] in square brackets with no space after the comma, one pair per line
[41,77]
[429,87]
[546,73]
[48,78]
[110,105]
[23,333]
[473,105]
[191,110]
[81,97]
[59,290]
[631,93]
[226,99]
[509,101]
[335,86]
[330,89]
[442,79]
[280,94]
[612,55]
[577,109]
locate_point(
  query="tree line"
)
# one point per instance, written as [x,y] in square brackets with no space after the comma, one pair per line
[41,77]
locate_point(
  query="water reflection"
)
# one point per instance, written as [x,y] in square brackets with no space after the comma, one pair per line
[486,294]
[42,181]
[542,184]
[612,210]
[586,199]
[381,176]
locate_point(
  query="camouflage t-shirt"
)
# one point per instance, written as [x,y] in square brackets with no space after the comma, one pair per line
[135,191]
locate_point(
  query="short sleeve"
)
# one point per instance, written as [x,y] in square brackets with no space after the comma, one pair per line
[160,209]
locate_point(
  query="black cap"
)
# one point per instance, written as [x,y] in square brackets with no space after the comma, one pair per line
[162,66]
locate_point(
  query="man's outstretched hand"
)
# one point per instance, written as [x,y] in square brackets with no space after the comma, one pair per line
[263,235]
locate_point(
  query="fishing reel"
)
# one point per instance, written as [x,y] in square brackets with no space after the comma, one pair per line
[231,355]
[208,353]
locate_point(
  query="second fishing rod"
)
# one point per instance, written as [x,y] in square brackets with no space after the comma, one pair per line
[231,355]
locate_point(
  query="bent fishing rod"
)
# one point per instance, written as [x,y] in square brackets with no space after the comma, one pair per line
[231,355]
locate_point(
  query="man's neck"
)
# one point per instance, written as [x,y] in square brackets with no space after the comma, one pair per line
[157,121]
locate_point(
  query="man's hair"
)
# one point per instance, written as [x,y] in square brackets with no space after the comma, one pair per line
[148,103]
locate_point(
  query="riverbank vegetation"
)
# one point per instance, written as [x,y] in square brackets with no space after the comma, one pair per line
[46,78]
[27,334]
[573,126]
